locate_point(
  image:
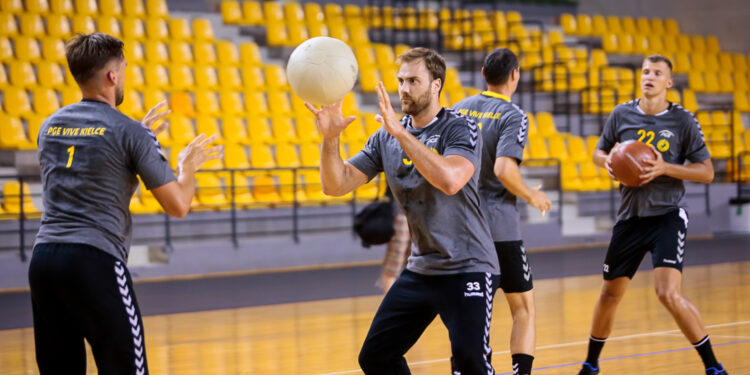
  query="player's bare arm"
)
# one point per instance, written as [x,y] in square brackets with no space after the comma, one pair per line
[603,159]
[449,173]
[337,176]
[153,116]
[506,170]
[175,197]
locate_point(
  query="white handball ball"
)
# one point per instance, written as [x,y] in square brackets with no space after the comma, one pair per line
[322,70]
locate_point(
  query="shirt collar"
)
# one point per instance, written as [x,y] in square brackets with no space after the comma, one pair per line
[493,94]
[664,112]
[434,120]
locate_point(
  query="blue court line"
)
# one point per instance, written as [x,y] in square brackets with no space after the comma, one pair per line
[630,356]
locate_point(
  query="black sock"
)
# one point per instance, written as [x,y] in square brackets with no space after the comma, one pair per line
[522,363]
[703,346]
[595,348]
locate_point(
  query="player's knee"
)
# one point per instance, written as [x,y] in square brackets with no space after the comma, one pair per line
[609,297]
[468,361]
[524,312]
[372,361]
[669,297]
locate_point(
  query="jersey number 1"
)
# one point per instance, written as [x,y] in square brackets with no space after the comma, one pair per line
[71,151]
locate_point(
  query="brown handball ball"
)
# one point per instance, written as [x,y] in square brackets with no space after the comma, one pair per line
[627,162]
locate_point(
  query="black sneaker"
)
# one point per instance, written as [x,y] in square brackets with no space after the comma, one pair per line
[716,371]
[587,369]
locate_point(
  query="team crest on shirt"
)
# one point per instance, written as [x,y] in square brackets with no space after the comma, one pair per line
[666,133]
[434,139]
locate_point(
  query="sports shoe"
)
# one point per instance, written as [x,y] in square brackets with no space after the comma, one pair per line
[587,369]
[716,371]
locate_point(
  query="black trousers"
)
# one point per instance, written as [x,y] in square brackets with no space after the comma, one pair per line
[463,302]
[80,292]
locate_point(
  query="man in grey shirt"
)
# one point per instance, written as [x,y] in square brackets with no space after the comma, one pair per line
[431,160]
[652,217]
[504,130]
[90,155]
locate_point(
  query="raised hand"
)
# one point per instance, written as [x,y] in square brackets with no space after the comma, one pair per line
[197,153]
[153,116]
[330,119]
[388,117]
[653,168]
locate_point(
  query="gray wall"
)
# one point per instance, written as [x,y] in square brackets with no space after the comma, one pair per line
[727,19]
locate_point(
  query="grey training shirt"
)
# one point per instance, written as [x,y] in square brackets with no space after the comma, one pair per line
[504,129]
[675,133]
[449,232]
[90,154]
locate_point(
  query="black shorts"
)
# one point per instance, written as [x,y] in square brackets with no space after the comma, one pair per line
[515,272]
[464,303]
[80,292]
[663,235]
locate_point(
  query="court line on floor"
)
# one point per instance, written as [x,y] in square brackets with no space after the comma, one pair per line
[563,345]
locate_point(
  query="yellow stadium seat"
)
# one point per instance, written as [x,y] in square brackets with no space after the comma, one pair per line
[256,104]
[684,44]
[283,131]
[70,95]
[546,124]
[583,24]
[610,43]
[307,131]
[252,13]
[204,53]
[741,82]
[261,156]
[657,26]
[153,97]
[697,82]
[625,43]
[202,29]
[50,75]
[365,56]
[571,179]
[640,44]
[181,78]
[726,83]
[712,44]
[58,26]
[674,96]
[11,6]
[179,52]
[14,136]
[712,83]
[286,156]
[252,78]
[279,103]
[384,56]
[45,101]
[157,29]
[739,62]
[21,74]
[310,155]
[206,78]
[3,79]
[577,149]
[134,77]
[179,29]
[568,23]
[12,203]
[109,25]
[34,123]
[111,8]
[231,103]
[227,54]
[181,129]
[655,44]
[27,49]
[538,148]
[209,191]
[725,61]
[698,44]
[689,101]
[229,78]
[643,25]
[207,103]
[133,8]
[208,126]
[157,9]
[235,157]
[156,53]
[613,25]
[276,77]
[265,190]
[250,54]
[83,24]
[670,44]
[181,103]
[32,25]
[133,28]
[682,63]
[8,26]
[132,105]
[156,77]
[258,130]
[628,25]
[712,63]
[231,13]
[234,130]
[133,51]
[276,34]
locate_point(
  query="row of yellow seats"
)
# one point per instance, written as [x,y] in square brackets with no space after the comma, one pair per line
[27,49]
[596,25]
[720,121]
[645,43]
[218,53]
[255,13]
[205,77]
[57,25]
[21,75]
[585,176]
[117,8]
[719,144]
[709,62]
[742,101]
[12,205]
[711,82]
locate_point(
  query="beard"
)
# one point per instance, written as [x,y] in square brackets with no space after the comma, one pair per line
[416,106]
[119,95]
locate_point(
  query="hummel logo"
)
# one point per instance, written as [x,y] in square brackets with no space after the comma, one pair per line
[670,261]
[680,235]
[681,243]
[527,276]
[679,258]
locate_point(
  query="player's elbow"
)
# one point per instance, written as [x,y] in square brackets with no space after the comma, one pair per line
[709,177]
[451,187]
[332,191]
[177,210]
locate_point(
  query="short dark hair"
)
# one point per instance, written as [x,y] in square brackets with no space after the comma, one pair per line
[498,65]
[432,60]
[660,58]
[87,53]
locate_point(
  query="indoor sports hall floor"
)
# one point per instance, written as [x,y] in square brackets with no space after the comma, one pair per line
[314,321]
